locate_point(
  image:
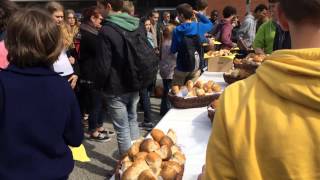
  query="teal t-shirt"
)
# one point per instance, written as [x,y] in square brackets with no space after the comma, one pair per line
[265,37]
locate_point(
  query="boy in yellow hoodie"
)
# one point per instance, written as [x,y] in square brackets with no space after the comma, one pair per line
[268,126]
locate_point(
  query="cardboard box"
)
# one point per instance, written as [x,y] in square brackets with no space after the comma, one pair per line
[220,64]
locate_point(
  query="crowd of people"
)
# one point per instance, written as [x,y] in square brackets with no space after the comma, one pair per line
[60,73]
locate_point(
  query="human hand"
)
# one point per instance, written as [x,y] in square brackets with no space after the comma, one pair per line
[73,81]
[72,60]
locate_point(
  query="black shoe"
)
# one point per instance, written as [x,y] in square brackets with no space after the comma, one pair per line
[108,133]
[147,125]
[100,138]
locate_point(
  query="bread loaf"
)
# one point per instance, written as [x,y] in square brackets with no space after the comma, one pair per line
[133,172]
[172,135]
[179,158]
[147,175]
[175,149]
[173,165]
[164,152]
[134,149]
[216,87]
[140,156]
[168,173]
[149,145]
[166,141]
[154,160]
[157,134]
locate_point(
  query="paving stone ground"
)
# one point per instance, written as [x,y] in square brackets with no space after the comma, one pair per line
[104,156]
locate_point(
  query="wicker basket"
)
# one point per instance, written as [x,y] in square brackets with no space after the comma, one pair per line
[229,79]
[118,176]
[196,102]
[248,67]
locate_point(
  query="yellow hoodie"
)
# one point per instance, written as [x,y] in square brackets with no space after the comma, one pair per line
[268,126]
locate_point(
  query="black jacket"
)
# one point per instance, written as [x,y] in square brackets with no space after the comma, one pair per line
[111,58]
[88,46]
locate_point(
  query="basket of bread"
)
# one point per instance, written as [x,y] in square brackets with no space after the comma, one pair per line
[235,75]
[212,109]
[153,158]
[251,62]
[194,95]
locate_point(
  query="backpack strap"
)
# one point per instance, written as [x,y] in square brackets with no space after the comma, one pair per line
[115,27]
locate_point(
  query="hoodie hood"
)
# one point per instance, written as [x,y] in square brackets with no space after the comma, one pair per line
[187,29]
[125,21]
[294,75]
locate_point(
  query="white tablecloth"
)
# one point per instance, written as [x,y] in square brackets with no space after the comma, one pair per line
[193,129]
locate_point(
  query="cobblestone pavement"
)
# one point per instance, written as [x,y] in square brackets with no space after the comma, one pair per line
[104,156]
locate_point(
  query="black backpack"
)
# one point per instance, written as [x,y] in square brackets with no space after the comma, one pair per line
[142,60]
[189,52]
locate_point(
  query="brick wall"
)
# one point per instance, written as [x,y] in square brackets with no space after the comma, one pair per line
[239,4]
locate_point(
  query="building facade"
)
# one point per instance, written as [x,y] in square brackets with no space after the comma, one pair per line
[239,4]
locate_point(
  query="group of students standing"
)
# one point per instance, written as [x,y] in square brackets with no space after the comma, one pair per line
[40,115]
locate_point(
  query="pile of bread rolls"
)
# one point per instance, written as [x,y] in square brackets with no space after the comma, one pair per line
[154,158]
[198,89]
[251,59]
[222,52]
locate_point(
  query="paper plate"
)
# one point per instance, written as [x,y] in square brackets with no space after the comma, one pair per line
[79,154]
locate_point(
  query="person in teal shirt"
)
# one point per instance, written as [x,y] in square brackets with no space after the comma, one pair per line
[264,40]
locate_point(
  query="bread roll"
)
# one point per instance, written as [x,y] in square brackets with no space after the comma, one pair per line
[164,152]
[133,172]
[179,158]
[175,89]
[210,83]
[206,87]
[189,85]
[125,165]
[216,87]
[200,92]
[147,175]
[192,93]
[154,160]
[157,134]
[126,158]
[168,173]
[172,135]
[149,145]
[175,149]
[199,84]
[166,141]
[173,165]
[134,149]
[140,156]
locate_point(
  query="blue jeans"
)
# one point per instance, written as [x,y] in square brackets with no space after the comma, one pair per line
[165,103]
[123,112]
[97,114]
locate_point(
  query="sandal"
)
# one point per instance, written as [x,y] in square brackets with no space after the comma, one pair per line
[109,133]
[100,138]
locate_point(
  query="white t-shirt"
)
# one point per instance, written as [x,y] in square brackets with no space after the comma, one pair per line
[62,65]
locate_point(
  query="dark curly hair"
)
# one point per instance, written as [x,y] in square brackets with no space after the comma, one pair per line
[7,8]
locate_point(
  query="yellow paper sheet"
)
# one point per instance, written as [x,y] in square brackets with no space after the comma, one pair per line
[231,57]
[79,154]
